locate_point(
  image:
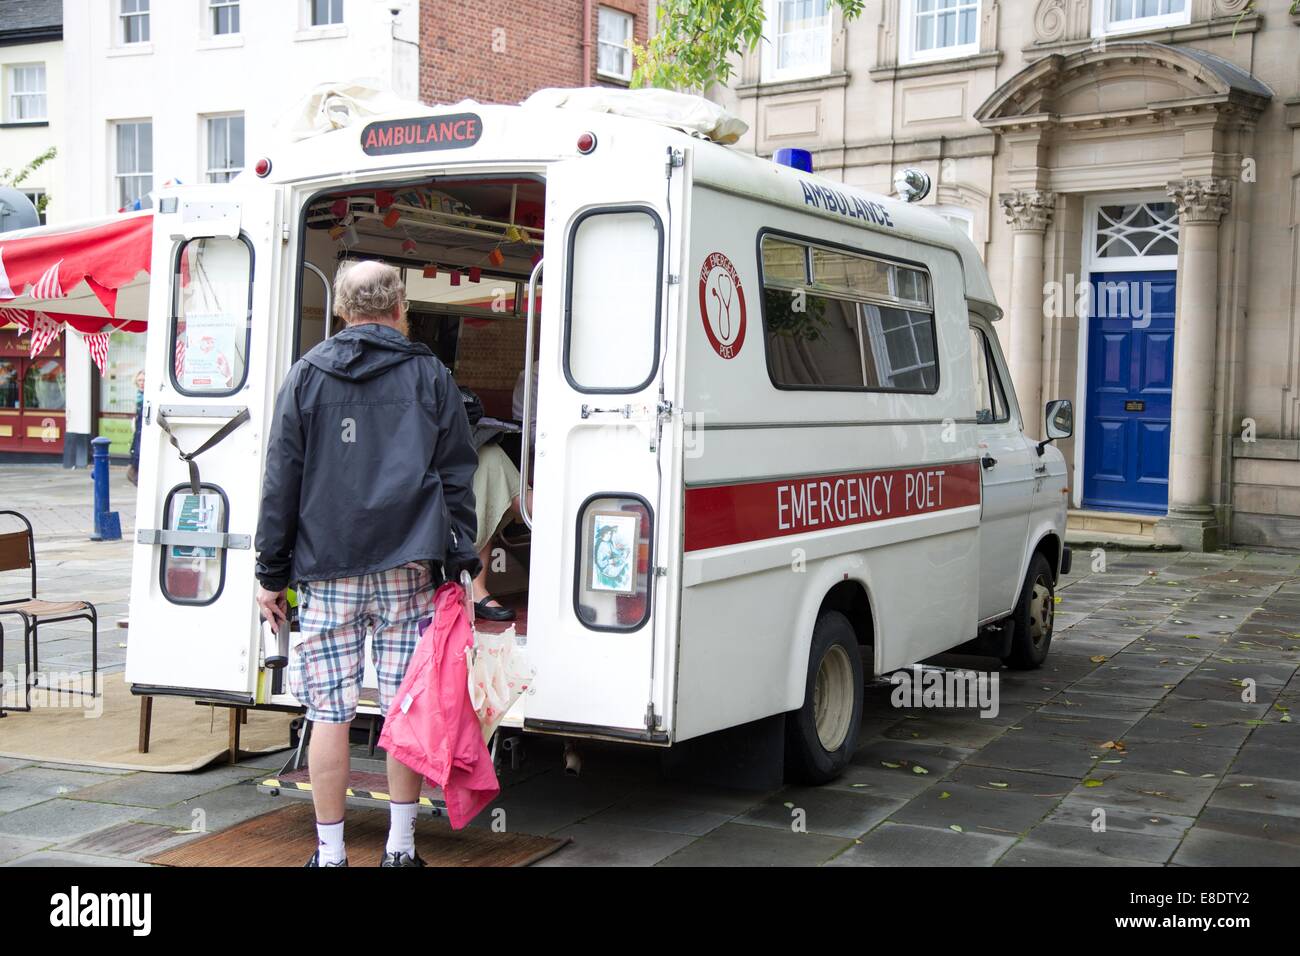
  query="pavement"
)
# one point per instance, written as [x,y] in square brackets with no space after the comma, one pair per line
[1159,732]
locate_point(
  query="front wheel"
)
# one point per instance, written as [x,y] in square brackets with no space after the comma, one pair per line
[822,734]
[1031,622]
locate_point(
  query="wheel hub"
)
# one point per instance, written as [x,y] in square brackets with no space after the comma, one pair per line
[833,698]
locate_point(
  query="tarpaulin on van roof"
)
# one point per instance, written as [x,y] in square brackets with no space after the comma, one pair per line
[91,276]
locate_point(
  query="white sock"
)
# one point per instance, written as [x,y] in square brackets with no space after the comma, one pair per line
[329,843]
[401,827]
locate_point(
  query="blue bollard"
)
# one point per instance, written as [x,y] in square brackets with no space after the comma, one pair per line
[108,525]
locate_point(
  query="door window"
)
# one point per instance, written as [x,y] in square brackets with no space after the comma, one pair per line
[991,401]
[212,316]
[612,313]
[194,574]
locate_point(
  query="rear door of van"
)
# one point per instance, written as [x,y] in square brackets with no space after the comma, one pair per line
[208,380]
[597,614]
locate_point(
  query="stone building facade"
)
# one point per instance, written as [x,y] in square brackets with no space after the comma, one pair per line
[1130,170]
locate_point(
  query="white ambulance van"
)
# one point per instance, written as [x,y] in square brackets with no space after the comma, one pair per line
[775,450]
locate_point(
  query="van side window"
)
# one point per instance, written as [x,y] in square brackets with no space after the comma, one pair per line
[612,308]
[835,319]
[212,308]
[991,402]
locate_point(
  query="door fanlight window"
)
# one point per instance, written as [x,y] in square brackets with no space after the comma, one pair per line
[1136,230]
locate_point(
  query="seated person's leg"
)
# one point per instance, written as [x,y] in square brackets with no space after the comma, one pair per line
[496,494]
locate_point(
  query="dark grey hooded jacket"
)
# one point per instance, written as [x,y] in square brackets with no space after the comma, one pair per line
[369,464]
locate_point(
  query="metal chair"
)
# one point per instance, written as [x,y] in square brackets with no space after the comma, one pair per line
[18,553]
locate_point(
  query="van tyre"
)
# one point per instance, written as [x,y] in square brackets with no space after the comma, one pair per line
[1031,621]
[821,736]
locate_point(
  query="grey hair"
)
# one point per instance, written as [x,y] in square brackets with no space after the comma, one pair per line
[367,290]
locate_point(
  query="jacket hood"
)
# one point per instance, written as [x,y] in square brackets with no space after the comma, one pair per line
[361,352]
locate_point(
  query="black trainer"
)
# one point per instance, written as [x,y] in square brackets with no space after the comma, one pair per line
[398,858]
[315,861]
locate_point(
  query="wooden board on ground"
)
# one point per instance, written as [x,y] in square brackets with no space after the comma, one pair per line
[183,736]
[287,837]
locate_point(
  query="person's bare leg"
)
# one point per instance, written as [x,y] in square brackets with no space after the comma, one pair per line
[480,582]
[328,767]
[403,782]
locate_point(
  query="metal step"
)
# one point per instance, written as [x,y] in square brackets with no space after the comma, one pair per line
[367,787]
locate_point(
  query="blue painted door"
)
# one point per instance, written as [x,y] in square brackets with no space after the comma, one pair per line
[1130,390]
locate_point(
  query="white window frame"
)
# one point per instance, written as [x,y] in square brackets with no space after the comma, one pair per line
[34,194]
[12,95]
[771,73]
[118,175]
[907,52]
[123,16]
[209,169]
[309,10]
[630,22]
[210,8]
[1102,26]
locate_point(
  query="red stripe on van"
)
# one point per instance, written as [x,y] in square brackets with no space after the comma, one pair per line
[720,515]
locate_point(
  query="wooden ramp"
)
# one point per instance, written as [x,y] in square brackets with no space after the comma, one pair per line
[287,837]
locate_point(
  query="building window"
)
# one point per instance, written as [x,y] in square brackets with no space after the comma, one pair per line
[225,135]
[613,32]
[37,199]
[224,16]
[134,164]
[796,39]
[938,29]
[1131,16]
[27,102]
[1135,230]
[326,12]
[134,15]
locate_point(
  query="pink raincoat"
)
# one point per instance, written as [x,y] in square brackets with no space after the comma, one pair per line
[431,726]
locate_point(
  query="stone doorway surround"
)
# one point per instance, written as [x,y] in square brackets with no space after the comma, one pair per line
[1129,116]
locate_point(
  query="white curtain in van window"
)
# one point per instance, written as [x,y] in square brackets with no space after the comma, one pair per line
[614,300]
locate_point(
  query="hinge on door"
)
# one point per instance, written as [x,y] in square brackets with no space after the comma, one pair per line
[675,160]
[674,278]
[284,233]
[651,718]
[661,571]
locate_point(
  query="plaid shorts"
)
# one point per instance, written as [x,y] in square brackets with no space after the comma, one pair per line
[333,617]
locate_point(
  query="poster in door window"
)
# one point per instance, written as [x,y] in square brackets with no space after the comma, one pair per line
[209,362]
[613,551]
[197,513]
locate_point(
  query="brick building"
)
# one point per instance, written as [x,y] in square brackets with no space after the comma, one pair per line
[500,51]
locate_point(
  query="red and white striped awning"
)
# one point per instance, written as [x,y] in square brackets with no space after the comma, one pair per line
[90,276]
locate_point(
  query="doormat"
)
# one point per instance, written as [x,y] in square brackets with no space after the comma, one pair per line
[287,837]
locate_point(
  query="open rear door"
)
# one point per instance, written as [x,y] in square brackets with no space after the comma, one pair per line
[210,385]
[598,621]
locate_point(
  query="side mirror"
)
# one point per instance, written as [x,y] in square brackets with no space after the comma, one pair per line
[1060,422]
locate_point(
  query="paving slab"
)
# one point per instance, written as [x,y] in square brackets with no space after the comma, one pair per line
[600,844]
[736,844]
[59,820]
[840,813]
[901,844]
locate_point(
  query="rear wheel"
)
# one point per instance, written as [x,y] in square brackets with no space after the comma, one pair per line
[1032,620]
[822,734]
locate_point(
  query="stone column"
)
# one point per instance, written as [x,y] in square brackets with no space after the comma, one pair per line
[1029,212]
[1192,522]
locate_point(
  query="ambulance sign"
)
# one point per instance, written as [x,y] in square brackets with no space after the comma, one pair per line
[457,131]
[722,305]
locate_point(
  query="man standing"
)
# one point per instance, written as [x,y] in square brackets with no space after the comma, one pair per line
[368,494]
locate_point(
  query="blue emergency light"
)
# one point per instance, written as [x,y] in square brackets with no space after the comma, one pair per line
[794,158]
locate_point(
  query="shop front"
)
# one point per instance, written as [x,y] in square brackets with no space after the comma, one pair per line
[33,395]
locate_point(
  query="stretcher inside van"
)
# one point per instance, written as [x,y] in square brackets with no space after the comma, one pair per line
[774,449]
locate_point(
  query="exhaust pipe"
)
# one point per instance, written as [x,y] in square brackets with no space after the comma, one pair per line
[572,759]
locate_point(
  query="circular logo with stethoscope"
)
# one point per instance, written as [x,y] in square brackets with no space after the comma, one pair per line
[722,305]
